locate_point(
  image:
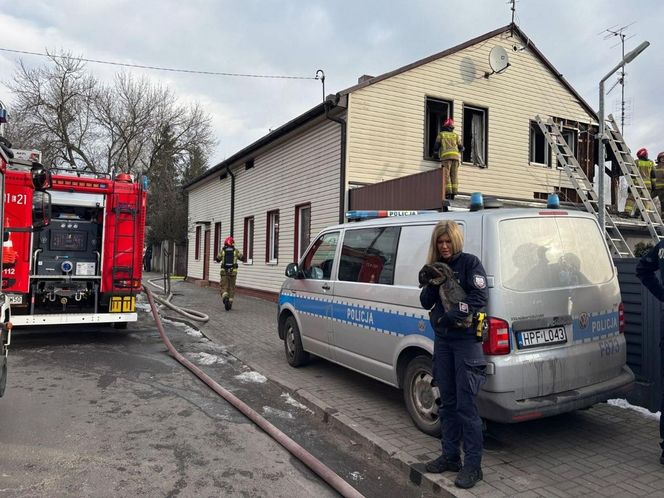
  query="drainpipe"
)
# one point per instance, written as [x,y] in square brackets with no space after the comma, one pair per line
[329,105]
[230,173]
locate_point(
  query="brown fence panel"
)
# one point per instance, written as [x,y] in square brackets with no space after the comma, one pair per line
[419,191]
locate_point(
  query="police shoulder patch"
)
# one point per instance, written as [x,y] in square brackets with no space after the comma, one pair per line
[479,281]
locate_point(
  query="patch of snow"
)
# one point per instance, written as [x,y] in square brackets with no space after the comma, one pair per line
[293,402]
[251,377]
[268,410]
[206,359]
[622,403]
[356,476]
[193,332]
[143,307]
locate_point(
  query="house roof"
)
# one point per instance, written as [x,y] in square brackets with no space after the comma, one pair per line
[319,110]
[510,27]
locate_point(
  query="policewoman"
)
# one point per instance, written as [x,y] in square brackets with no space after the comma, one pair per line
[458,361]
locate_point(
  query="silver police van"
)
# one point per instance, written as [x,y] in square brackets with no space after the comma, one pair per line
[555,338]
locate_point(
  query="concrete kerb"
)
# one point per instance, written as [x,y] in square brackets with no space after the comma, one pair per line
[412,469]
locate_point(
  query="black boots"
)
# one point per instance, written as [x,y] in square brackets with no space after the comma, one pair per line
[227,303]
[442,464]
[467,477]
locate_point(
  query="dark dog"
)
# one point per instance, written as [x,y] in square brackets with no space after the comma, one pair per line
[450,292]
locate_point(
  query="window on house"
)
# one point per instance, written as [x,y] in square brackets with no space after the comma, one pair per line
[475,136]
[436,112]
[540,153]
[302,229]
[217,239]
[249,164]
[571,136]
[248,241]
[197,247]
[272,252]
[368,255]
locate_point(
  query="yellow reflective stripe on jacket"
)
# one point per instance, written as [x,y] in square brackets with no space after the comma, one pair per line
[449,145]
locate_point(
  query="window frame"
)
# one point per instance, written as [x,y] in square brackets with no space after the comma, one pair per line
[298,251]
[248,239]
[467,122]
[365,257]
[197,247]
[429,139]
[272,238]
[534,128]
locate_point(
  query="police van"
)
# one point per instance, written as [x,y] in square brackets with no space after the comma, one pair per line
[555,339]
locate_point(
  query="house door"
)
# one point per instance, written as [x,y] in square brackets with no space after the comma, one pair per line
[206,255]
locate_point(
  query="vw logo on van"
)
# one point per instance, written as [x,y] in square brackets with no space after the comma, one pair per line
[583,320]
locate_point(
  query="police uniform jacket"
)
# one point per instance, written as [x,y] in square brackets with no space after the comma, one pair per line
[648,266]
[471,276]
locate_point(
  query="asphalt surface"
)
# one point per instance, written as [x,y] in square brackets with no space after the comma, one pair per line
[99,412]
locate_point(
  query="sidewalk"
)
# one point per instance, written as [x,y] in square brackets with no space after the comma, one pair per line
[603,451]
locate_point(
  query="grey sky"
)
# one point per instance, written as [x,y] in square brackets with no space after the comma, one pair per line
[344,38]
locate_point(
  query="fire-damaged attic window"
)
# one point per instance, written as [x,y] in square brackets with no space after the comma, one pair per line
[436,112]
[475,135]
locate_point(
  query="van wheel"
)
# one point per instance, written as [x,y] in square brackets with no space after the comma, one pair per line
[295,354]
[421,398]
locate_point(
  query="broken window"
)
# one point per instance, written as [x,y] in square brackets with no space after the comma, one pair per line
[437,111]
[475,136]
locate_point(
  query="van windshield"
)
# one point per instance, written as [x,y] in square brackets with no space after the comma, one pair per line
[549,252]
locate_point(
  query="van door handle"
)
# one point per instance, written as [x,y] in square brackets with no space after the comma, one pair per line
[326,286]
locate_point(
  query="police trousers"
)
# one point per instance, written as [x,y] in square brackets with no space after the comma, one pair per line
[459,369]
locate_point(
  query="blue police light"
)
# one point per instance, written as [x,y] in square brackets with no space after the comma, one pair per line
[476,201]
[553,201]
[145,182]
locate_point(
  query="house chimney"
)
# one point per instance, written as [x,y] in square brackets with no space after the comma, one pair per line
[363,78]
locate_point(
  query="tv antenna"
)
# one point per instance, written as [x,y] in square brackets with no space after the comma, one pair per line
[612,32]
[498,61]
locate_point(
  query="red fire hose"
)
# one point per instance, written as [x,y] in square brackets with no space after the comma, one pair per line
[323,471]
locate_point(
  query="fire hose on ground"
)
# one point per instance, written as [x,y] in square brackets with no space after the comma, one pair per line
[323,471]
[189,313]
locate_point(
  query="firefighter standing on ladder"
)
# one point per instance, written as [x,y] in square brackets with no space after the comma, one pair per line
[448,145]
[646,169]
[228,257]
[658,182]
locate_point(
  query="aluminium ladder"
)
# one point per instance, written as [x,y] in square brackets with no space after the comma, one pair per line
[583,186]
[635,183]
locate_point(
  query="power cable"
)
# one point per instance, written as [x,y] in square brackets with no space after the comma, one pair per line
[159,68]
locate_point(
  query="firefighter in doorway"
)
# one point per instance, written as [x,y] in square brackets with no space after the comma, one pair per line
[646,169]
[448,147]
[228,257]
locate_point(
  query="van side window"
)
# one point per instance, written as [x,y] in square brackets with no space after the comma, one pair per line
[368,255]
[317,264]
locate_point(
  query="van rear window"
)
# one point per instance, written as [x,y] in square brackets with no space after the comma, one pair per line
[550,252]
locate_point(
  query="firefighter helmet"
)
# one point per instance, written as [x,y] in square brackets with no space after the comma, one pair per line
[449,122]
[229,241]
[642,153]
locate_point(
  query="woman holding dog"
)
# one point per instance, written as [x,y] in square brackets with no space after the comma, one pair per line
[458,362]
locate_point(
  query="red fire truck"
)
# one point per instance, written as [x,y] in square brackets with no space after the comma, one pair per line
[84,263]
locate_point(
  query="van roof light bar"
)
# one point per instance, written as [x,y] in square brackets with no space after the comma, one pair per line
[360,214]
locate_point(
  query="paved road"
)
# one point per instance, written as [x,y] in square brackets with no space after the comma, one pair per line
[604,451]
[99,412]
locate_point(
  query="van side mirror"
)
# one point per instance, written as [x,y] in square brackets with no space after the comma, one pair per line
[292,271]
[41,209]
[41,177]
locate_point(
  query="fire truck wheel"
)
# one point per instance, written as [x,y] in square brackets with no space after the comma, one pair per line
[120,325]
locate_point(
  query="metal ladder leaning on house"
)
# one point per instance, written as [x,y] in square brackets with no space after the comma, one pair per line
[635,183]
[582,185]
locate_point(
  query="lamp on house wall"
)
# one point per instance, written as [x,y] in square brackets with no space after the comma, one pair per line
[629,57]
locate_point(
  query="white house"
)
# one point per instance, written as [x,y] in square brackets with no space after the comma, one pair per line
[278,192]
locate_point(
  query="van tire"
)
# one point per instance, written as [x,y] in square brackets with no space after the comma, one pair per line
[421,399]
[295,353]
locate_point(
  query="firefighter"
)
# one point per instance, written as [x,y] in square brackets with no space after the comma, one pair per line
[459,367]
[645,167]
[448,147]
[228,257]
[658,181]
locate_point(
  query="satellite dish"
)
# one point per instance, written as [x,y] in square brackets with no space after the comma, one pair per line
[498,61]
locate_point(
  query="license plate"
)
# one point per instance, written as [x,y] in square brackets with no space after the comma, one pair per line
[541,337]
[15,298]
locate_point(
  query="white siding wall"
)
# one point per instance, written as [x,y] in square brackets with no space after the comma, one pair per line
[387,119]
[303,169]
